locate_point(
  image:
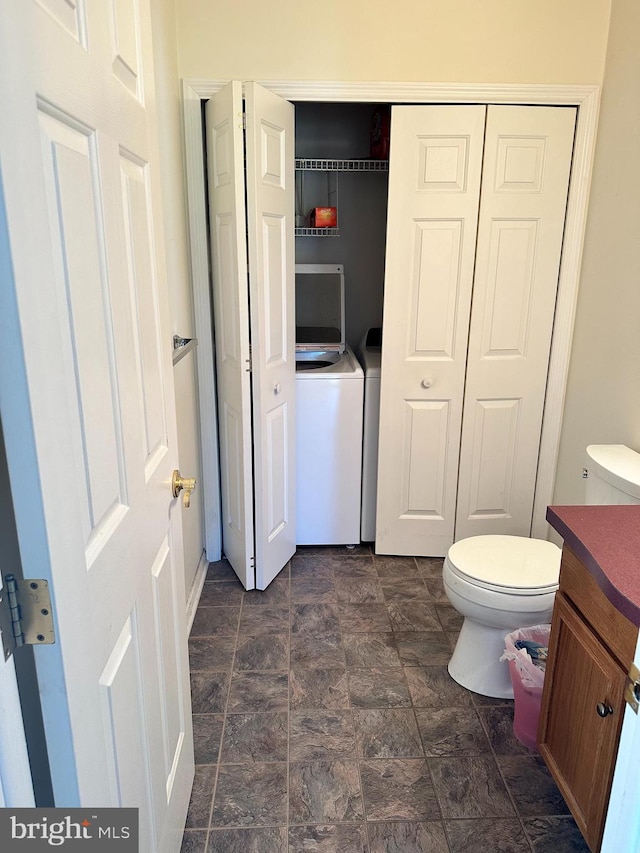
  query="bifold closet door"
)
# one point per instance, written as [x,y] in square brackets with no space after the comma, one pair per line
[434,187]
[527,163]
[474,238]
[228,228]
[270,146]
[251,216]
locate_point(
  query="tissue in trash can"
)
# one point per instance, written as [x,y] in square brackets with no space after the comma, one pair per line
[531,675]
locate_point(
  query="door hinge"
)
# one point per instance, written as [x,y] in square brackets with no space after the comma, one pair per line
[25,614]
[249,361]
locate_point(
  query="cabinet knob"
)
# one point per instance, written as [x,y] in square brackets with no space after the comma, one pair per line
[603,709]
[427,382]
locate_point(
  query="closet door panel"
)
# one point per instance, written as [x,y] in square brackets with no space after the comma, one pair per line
[270,216]
[225,168]
[494,438]
[526,172]
[427,427]
[434,186]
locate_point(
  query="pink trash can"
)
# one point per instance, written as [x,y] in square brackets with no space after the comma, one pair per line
[528,680]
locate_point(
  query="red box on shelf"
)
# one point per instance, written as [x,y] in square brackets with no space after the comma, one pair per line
[380,133]
[323,217]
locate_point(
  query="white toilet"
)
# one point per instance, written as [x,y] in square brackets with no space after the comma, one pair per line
[500,583]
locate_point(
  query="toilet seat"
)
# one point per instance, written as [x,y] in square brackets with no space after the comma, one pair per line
[506,564]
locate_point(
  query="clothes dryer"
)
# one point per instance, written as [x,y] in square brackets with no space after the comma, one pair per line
[369,353]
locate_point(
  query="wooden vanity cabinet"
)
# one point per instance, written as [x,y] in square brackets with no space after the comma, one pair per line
[590,650]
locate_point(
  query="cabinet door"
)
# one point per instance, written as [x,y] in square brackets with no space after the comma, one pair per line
[578,745]
[434,186]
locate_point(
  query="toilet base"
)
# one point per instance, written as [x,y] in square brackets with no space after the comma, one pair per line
[475,663]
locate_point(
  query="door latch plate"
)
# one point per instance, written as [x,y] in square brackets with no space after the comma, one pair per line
[632,687]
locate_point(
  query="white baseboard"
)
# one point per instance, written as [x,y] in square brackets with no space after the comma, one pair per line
[196,590]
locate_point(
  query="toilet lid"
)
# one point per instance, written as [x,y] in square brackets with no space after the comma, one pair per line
[530,566]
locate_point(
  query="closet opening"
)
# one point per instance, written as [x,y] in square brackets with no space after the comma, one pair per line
[322,132]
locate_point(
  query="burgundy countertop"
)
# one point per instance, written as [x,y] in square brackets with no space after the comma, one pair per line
[607,540]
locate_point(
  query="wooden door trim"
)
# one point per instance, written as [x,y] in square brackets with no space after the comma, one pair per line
[586,98]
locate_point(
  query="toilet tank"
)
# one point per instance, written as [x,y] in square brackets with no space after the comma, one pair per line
[613,475]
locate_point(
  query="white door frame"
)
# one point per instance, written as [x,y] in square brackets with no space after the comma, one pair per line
[16,786]
[622,824]
[586,98]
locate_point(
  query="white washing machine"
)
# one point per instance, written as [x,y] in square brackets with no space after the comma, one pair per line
[329,411]
[370,355]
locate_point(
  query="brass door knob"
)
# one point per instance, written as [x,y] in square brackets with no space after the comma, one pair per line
[179,484]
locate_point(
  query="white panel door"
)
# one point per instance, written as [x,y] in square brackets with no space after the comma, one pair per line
[88,404]
[434,186]
[254,320]
[270,213]
[228,228]
[526,170]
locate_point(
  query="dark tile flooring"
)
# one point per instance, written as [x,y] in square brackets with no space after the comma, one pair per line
[325,720]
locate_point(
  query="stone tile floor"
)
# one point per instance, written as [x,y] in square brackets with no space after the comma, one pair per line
[325,720]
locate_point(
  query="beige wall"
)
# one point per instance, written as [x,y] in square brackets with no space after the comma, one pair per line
[490,41]
[603,394]
[481,41]
[178,270]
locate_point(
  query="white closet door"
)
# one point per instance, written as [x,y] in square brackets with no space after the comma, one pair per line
[270,213]
[434,188]
[254,319]
[526,171]
[228,225]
